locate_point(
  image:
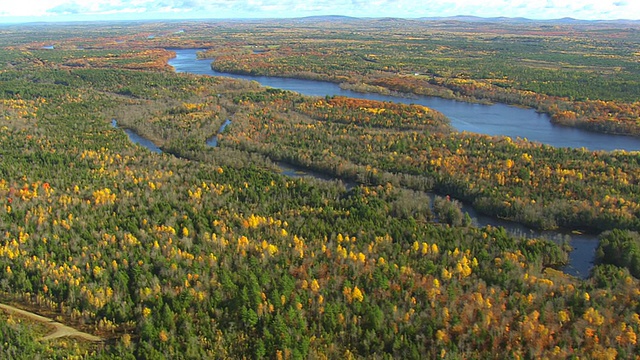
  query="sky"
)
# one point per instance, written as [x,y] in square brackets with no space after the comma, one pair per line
[81,10]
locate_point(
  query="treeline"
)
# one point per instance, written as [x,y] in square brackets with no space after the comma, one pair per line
[593,85]
[207,256]
[538,185]
[620,248]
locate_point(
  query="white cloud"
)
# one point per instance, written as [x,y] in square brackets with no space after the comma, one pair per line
[28,7]
[585,9]
[110,6]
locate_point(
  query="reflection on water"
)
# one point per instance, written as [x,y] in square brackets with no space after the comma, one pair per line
[213,141]
[498,119]
[137,139]
[298,172]
[584,245]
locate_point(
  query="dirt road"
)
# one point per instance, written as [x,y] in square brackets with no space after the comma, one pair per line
[61,330]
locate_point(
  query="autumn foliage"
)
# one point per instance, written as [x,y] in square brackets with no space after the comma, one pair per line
[203,252]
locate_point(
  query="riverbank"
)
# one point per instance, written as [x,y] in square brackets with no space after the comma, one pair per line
[494,120]
[589,241]
[584,245]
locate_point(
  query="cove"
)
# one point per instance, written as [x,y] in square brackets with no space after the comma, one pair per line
[497,119]
[213,141]
[137,139]
[580,258]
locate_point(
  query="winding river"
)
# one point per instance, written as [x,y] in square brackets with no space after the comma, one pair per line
[498,119]
[213,141]
[137,139]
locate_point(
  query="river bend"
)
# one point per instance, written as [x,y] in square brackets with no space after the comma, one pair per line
[496,119]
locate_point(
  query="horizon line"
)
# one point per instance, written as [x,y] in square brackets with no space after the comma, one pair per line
[462,18]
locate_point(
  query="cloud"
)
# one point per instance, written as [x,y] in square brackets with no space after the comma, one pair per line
[585,9]
[67,9]
[111,7]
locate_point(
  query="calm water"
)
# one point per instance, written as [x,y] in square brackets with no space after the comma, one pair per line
[495,119]
[498,119]
[213,141]
[137,139]
[584,246]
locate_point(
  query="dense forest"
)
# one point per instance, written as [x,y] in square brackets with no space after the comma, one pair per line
[210,252]
[582,75]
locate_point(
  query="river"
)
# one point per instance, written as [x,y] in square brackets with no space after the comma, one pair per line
[580,259]
[213,141]
[137,139]
[584,245]
[496,119]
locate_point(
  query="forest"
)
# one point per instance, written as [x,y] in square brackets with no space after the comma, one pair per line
[211,252]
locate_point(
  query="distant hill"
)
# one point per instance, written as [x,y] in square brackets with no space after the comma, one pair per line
[462,18]
[329,18]
[471,18]
[502,19]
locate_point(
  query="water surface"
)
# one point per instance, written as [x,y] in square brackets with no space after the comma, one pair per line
[137,139]
[497,119]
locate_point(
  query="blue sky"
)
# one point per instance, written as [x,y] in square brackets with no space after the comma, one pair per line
[69,10]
